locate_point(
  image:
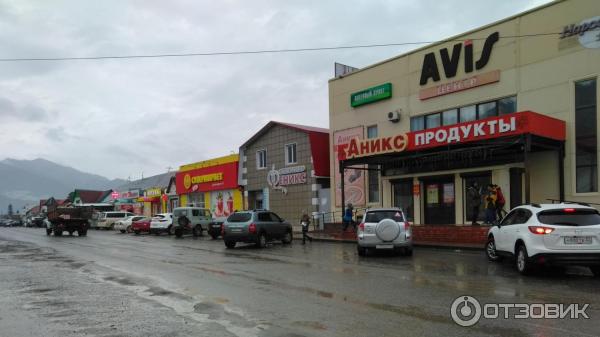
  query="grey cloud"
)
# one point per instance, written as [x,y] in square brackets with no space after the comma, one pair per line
[27,112]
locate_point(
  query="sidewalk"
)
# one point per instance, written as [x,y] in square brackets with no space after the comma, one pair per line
[350,237]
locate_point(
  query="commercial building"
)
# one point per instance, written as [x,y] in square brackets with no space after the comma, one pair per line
[211,184]
[513,103]
[146,196]
[285,168]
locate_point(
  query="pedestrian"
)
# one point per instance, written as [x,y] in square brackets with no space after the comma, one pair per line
[475,195]
[347,218]
[305,222]
[500,202]
[490,205]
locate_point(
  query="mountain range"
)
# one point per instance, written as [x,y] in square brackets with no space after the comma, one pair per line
[25,182]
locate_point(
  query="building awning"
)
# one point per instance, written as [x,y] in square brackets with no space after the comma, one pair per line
[492,141]
[494,132]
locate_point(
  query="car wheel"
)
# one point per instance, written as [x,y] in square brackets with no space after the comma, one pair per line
[362,251]
[170,230]
[197,231]
[214,236]
[82,232]
[230,244]
[128,230]
[57,233]
[261,240]
[123,231]
[178,232]
[490,250]
[70,233]
[524,266]
[408,251]
[48,231]
[137,232]
[595,271]
[287,238]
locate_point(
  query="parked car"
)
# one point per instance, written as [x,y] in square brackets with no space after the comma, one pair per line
[162,223]
[38,221]
[256,226]
[549,235]
[107,220]
[141,226]
[192,220]
[124,226]
[384,229]
[215,227]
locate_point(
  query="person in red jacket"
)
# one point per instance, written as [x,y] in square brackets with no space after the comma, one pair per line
[500,202]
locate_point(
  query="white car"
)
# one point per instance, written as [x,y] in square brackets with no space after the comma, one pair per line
[107,220]
[161,223]
[384,229]
[125,224]
[548,234]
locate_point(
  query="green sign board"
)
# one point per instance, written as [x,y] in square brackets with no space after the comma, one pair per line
[371,95]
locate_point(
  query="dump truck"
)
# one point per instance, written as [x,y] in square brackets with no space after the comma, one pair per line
[69,219]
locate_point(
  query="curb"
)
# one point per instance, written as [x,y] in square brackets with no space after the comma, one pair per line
[416,244]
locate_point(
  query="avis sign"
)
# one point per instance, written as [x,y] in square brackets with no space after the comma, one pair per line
[494,127]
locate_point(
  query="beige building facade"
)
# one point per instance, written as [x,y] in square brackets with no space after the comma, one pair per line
[432,125]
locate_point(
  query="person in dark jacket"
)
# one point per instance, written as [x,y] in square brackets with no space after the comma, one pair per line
[305,222]
[475,195]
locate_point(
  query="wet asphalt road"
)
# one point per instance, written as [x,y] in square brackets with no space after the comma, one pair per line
[111,284]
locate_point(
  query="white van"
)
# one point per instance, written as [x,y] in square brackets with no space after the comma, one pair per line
[107,219]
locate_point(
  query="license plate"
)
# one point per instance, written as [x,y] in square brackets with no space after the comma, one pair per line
[236,230]
[384,246]
[578,240]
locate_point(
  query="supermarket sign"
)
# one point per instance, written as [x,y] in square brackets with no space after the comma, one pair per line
[526,122]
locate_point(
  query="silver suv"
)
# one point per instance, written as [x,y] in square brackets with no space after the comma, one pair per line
[384,228]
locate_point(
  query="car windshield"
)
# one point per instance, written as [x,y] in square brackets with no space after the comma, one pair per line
[240,217]
[376,216]
[570,217]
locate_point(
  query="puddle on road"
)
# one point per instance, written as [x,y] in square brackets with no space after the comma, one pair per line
[311,325]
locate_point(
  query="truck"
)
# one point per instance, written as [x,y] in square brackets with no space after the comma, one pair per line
[68,218]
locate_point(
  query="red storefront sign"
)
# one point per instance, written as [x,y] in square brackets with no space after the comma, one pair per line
[518,123]
[212,178]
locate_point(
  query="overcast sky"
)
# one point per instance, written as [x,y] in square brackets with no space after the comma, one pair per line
[119,118]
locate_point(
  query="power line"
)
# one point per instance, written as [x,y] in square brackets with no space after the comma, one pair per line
[248,52]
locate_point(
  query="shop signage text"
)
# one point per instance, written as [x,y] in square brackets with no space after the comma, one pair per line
[203,179]
[460,85]
[153,192]
[587,30]
[371,95]
[125,195]
[450,62]
[286,176]
[506,125]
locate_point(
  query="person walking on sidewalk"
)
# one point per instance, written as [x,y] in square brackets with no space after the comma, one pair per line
[347,218]
[500,202]
[305,222]
[475,195]
[490,205]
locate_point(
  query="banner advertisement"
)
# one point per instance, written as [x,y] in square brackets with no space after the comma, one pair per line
[354,179]
[221,203]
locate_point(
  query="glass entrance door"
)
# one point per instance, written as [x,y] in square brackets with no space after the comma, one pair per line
[403,197]
[439,201]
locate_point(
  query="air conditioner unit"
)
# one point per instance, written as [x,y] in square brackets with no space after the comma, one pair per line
[393,116]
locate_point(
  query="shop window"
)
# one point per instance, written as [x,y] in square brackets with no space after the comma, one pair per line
[486,110]
[417,123]
[475,188]
[586,138]
[468,113]
[372,131]
[196,200]
[290,154]
[507,105]
[450,117]
[433,121]
[261,159]
[373,183]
